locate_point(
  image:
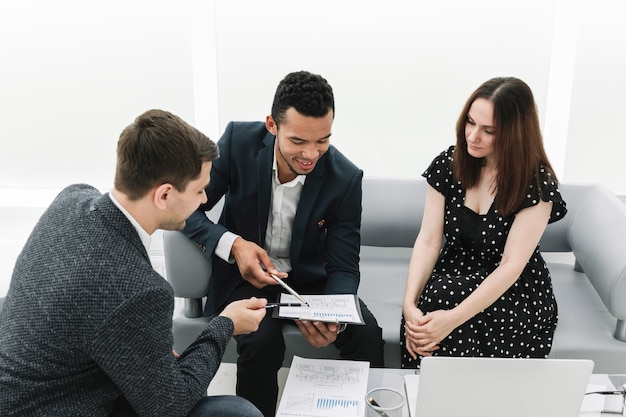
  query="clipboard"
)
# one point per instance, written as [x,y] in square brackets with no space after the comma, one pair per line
[329,308]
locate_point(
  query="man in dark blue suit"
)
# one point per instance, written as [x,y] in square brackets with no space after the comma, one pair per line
[292,208]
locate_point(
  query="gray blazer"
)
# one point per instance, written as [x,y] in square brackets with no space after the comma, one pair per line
[86,326]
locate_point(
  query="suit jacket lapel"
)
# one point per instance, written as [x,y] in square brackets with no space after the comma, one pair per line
[264,175]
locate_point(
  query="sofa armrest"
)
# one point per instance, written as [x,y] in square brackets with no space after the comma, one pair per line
[597,236]
[187,270]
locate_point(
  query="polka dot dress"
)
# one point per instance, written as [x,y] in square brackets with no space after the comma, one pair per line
[522,321]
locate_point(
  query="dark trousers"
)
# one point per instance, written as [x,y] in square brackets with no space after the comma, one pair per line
[261,353]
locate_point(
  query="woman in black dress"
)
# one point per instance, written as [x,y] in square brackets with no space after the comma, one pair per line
[486,291]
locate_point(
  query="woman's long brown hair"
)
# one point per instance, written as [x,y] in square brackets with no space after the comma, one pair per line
[518,145]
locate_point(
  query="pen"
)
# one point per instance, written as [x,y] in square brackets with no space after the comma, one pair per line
[272,305]
[375,404]
[606,392]
[288,288]
[325,320]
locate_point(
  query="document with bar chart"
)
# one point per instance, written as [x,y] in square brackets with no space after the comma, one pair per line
[324,388]
[333,308]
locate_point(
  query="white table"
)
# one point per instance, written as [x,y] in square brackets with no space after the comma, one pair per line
[224,382]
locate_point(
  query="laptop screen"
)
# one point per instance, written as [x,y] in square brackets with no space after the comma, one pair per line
[490,387]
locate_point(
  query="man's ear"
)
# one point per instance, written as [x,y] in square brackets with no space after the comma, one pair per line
[161,195]
[270,125]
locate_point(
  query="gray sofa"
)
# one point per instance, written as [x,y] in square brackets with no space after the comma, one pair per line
[585,251]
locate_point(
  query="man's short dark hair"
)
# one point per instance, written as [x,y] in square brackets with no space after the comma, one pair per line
[310,94]
[158,148]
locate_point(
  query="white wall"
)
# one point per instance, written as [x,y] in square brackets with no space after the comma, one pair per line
[74,73]
[596,137]
[401,70]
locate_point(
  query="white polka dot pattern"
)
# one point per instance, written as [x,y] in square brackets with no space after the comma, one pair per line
[521,323]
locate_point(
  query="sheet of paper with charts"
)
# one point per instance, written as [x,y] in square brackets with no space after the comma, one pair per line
[324,388]
[334,308]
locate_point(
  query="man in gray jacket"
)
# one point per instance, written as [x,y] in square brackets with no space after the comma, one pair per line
[86,325]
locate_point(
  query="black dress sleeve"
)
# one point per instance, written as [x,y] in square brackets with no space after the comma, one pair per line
[439,173]
[547,191]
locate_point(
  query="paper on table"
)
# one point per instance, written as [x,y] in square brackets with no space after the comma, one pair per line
[595,404]
[335,308]
[324,388]
[411,384]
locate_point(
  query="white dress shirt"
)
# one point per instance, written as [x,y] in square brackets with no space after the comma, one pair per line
[283,206]
[285,198]
[145,237]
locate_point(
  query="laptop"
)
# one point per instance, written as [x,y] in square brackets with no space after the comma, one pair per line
[497,387]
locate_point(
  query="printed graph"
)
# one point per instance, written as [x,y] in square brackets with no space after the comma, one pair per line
[333,404]
[333,307]
[329,377]
[325,315]
[324,388]
[326,406]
